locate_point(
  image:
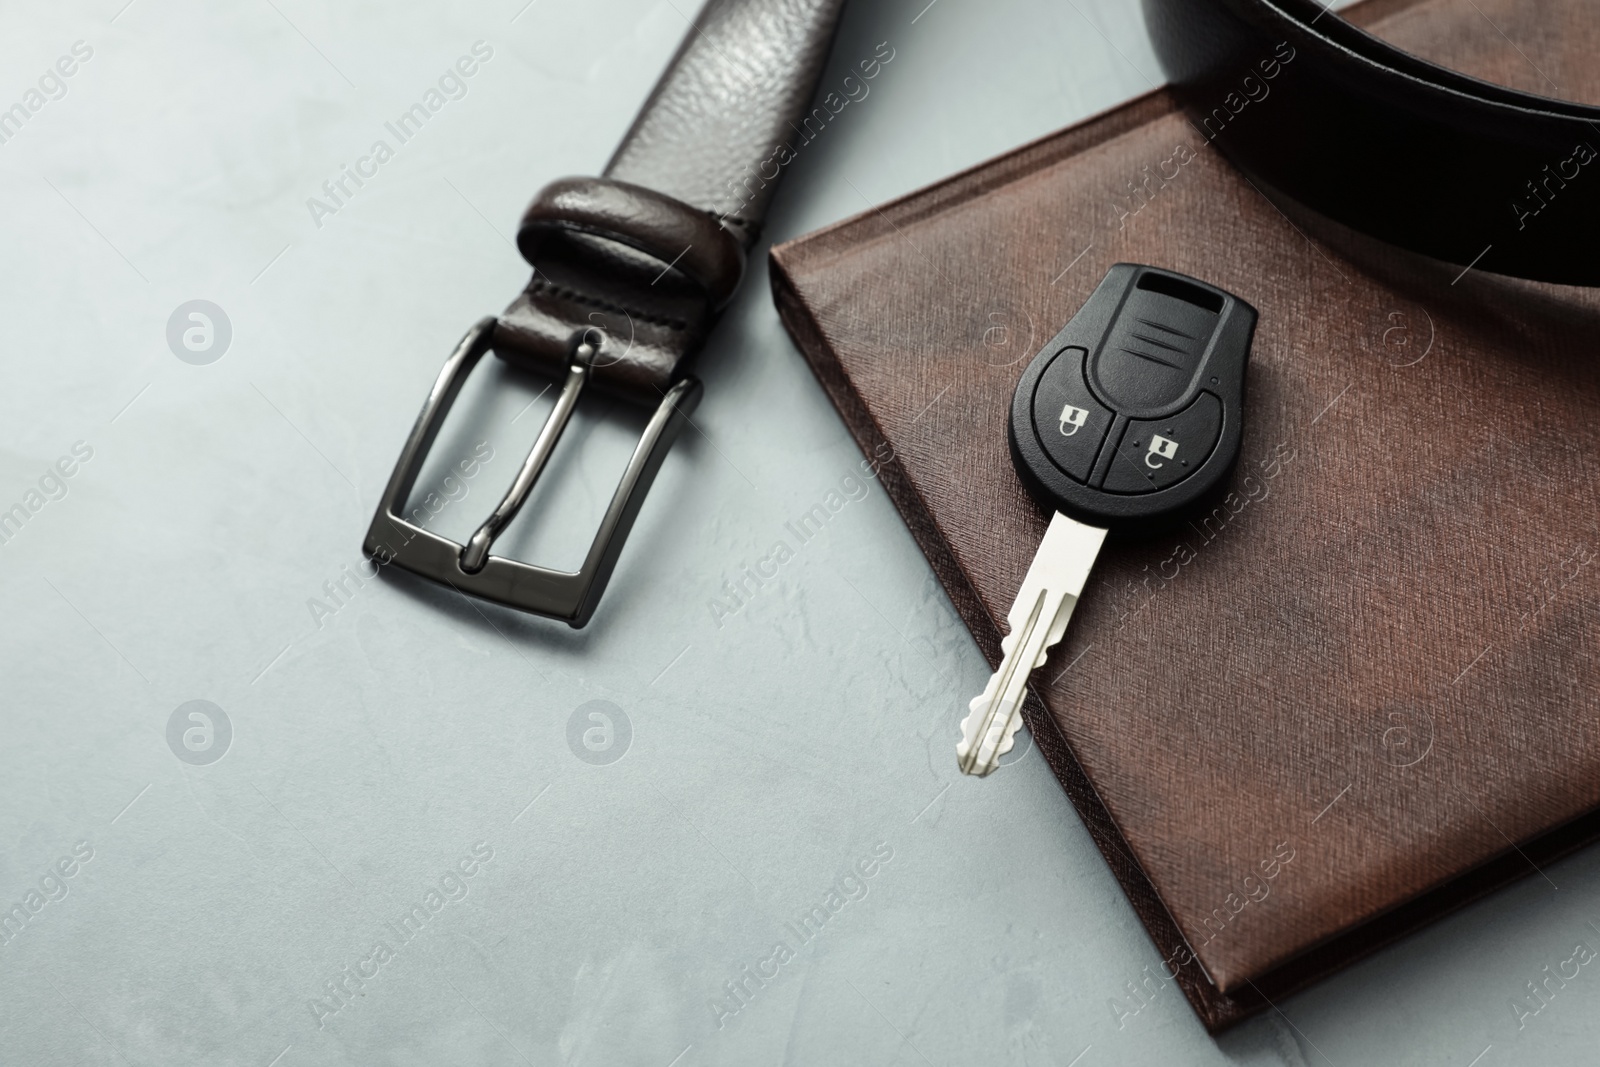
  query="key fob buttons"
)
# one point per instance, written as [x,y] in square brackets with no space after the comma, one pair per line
[1156,453]
[1070,423]
[1135,409]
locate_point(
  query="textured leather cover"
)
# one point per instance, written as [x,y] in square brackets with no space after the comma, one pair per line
[1362,689]
[707,138]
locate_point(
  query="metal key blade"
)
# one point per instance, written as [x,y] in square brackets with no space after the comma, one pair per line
[1038,619]
[990,728]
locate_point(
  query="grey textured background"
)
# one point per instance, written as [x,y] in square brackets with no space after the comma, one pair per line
[375,744]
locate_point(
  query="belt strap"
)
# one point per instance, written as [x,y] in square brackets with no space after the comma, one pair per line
[1395,146]
[639,262]
[629,273]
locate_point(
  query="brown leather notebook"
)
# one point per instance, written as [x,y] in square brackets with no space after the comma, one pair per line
[1363,687]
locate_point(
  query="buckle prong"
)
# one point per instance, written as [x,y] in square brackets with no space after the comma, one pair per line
[470,568]
[476,553]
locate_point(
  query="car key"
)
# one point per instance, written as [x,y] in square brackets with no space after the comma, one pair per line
[1131,414]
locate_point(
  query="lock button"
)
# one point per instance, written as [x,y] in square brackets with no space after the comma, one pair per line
[1156,453]
[1069,421]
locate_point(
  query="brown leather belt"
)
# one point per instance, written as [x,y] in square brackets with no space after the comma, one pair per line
[630,272]
[1432,160]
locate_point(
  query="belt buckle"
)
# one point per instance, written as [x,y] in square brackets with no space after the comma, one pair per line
[469,568]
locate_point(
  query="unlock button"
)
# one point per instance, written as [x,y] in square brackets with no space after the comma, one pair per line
[1156,453]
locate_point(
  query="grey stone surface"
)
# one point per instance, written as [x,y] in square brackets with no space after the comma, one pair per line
[395,751]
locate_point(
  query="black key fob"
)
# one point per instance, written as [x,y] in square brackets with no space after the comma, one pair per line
[1135,410]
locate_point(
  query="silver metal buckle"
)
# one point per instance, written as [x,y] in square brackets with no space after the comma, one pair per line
[469,568]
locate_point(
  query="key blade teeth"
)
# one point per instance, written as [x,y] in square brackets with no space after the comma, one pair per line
[988,732]
[995,714]
[969,729]
[967,747]
[977,710]
[1009,738]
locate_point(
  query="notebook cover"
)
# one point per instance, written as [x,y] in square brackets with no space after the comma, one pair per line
[1361,690]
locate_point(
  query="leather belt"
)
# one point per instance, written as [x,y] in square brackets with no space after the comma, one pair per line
[630,271]
[1392,145]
